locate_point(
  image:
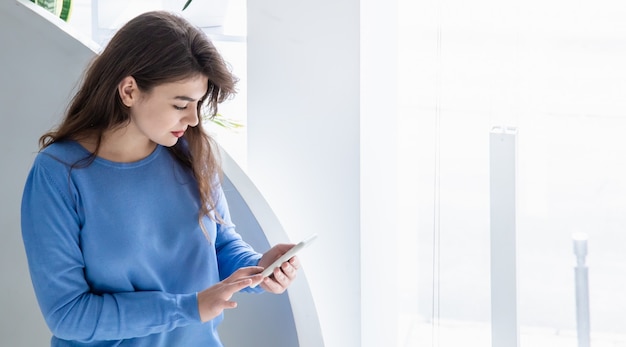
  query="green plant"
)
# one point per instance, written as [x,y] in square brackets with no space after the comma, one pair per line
[61,8]
[224,122]
[186,4]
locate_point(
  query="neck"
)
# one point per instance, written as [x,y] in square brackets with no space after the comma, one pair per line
[121,145]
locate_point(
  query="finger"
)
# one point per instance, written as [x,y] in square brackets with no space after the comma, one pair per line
[281,277]
[248,271]
[238,285]
[244,272]
[289,270]
[253,280]
[295,262]
[270,285]
[229,304]
[256,279]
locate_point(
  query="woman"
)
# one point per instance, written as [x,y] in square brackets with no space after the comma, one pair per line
[125,225]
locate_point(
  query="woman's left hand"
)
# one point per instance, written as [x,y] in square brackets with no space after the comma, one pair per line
[283,275]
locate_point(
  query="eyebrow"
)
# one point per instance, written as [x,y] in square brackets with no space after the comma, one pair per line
[185,98]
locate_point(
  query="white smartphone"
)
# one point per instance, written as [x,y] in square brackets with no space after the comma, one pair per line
[288,255]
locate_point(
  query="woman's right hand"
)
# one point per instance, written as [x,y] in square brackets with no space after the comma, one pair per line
[215,299]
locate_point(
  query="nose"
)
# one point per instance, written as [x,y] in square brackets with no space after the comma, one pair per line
[193,117]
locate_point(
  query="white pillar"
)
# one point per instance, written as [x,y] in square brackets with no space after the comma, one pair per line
[303,143]
[502,162]
[582,290]
[379,174]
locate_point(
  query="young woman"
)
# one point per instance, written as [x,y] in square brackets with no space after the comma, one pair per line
[125,225]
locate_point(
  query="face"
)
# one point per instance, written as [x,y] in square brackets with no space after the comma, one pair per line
[163,114]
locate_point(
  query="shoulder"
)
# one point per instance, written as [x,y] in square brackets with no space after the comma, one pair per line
[70,150]
[64,153]
[57,160]
[50,172]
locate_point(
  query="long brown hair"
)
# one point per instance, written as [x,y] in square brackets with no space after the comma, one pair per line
[155,48]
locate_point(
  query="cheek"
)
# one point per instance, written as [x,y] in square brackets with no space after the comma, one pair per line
[155,118]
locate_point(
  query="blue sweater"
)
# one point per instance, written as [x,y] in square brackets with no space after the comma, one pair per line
[116,253]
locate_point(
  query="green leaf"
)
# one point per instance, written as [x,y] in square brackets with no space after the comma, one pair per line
[227,123]
[51,6]
[186,4]
[65,10]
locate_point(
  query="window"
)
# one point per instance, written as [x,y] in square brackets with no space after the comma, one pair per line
[553,70]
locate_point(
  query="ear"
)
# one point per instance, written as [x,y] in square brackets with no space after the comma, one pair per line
[128,91]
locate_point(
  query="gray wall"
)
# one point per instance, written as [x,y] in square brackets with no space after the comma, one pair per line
[28,109]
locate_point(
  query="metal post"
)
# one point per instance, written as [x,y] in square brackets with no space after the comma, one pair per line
[582,290]
[502,162]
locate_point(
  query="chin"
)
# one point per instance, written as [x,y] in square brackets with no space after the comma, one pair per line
[168,142]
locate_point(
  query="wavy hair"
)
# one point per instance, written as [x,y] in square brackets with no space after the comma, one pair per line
[155,48]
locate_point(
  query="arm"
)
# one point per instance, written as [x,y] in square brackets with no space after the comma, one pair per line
[51,226]
[232,251]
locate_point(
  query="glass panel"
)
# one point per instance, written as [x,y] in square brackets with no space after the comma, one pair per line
[554,70]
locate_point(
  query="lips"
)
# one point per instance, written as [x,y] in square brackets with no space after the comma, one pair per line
[178,133]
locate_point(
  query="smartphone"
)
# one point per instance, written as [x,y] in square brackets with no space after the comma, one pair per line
[288,255]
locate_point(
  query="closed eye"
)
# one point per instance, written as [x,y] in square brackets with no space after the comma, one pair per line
[180,108]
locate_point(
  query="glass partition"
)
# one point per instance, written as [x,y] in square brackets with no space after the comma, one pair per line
[553,70]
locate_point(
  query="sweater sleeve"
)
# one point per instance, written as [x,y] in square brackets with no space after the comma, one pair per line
[232,251]
[51,233]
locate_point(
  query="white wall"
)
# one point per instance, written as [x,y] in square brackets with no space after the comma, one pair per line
[380,266]
[303,143]
[27,110]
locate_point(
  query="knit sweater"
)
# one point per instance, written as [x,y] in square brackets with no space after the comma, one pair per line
[116,253]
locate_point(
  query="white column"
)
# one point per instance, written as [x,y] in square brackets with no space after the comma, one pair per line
[379,174]
[502,162]
[303,143]
[582,290]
